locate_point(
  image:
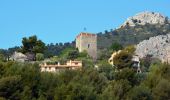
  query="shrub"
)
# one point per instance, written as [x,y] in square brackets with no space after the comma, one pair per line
[39,57]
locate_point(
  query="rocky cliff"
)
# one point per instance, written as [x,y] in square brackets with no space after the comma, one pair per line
[146,17]
[157,47]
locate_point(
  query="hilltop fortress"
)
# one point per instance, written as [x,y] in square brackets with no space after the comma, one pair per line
[156,24]
[87,42]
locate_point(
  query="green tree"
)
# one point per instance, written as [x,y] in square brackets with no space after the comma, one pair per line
[127,74]
[26,94]
[33,45]
[156,73]
[75,91]
[10,87]
[39,57]
[47,85]
[104,54]
[123,60]
[83,54]
[116,46]
[106,69]
[116,90]
[2,57]
[139,93]
[42,98]
[162,90]
[130,49]
[2,69]
[73,54]
[147,61]
[158,81]
[30,75]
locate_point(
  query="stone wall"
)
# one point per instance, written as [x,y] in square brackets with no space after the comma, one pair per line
[87,42]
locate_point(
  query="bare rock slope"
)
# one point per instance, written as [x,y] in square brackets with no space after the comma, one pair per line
[158,47]
[146,17]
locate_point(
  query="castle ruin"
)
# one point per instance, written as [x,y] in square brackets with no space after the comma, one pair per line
[87,42]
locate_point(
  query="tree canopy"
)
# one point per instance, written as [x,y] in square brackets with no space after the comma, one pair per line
[33,45]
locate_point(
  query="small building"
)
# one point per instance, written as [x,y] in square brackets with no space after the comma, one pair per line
[70,65]
[136,63]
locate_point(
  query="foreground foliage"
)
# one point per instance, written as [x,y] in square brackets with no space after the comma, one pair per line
[20,81]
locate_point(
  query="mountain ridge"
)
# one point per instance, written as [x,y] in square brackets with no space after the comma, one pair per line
[145,17]
[132,35]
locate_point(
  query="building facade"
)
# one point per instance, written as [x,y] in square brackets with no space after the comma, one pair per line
[70,65]
[87,42]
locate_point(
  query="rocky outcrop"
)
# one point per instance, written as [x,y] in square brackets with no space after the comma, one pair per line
[157,47]
[146,17]
[20,57]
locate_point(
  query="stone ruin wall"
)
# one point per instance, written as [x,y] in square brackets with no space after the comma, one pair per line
[87,42]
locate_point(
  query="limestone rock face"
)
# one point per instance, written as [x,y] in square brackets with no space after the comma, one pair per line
[146,17]
[158,47]
[17,56]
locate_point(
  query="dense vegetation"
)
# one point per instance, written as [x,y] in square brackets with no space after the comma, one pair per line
[24,81]
[32,45]
[50,50]
[56,49]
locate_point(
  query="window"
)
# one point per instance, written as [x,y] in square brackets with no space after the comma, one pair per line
[56,69]
[76,63]
[88,45]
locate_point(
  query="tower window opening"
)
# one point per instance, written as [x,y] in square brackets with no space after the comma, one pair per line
[88,45]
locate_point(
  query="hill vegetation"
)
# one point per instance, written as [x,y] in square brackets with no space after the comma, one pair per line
[131,35]
[24,81]
[123,36]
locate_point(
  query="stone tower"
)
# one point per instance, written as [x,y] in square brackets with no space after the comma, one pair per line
[87,42]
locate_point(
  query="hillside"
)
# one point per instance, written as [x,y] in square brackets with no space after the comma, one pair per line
[127,35]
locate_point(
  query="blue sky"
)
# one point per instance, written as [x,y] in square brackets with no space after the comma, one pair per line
[56,21]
